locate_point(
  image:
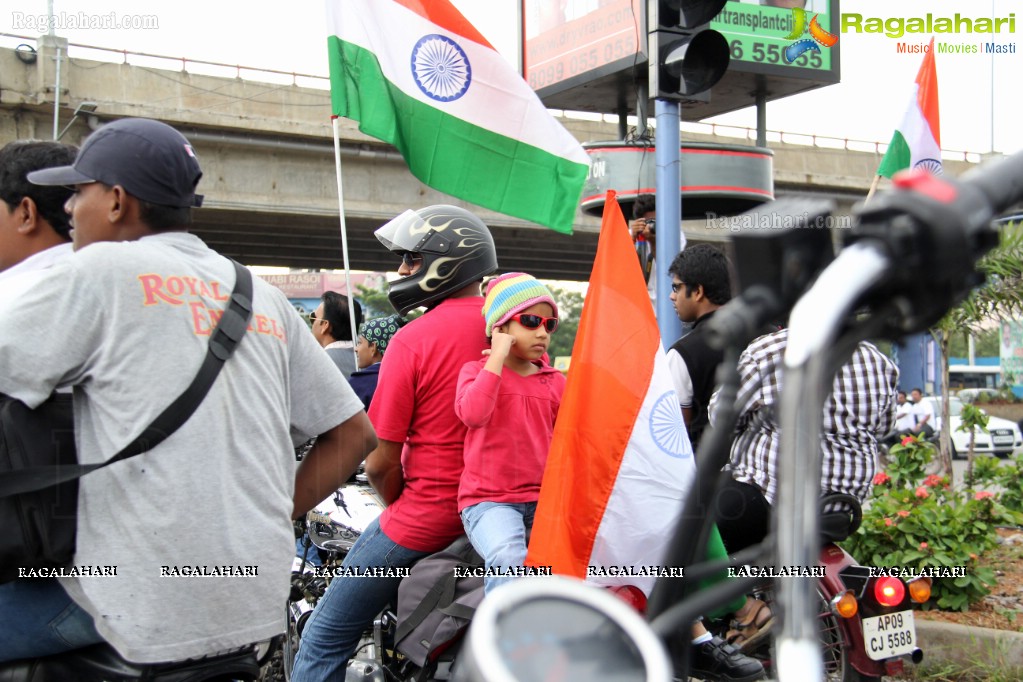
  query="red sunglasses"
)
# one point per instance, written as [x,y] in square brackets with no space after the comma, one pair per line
[534,321]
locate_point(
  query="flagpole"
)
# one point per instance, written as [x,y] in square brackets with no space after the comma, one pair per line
[873,188]
[336,122]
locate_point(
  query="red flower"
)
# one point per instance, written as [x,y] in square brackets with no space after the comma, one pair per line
[903,513]
[923,545]
[880,478]
[888,522]
[933,481]
[922,493]
[983,495]
[906,440]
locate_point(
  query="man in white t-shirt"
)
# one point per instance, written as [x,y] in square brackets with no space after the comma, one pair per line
[922,413]
[903,420]
[34,229]
[903,413]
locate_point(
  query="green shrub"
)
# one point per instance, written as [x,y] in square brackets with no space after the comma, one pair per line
[986,471]
[917,521]
[1010,477]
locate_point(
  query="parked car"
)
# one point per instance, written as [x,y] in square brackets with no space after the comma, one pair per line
[971,395]
[1003,437]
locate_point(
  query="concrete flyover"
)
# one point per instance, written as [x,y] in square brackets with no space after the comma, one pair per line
[268,160]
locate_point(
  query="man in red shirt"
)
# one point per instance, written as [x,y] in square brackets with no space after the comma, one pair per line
[446,252]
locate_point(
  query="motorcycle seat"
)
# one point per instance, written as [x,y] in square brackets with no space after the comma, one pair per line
[101,663]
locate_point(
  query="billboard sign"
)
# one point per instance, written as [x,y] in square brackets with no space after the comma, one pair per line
[571,42]
[589,55]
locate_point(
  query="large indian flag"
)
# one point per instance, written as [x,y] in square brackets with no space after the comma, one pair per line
[416,74]
[620,461]
[917,141]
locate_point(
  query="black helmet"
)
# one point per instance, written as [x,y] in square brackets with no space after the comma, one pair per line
[457,250]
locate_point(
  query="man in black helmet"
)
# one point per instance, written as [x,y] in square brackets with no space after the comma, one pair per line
[446,252]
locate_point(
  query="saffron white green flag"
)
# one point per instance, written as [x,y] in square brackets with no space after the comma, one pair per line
[416,74]
[620,461]
[917,141]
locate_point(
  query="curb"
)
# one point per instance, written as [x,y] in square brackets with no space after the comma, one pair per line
[968,646]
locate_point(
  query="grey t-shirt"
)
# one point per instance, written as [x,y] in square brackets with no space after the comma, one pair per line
[127,324]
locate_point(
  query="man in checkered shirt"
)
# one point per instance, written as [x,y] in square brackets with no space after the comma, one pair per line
[858,413]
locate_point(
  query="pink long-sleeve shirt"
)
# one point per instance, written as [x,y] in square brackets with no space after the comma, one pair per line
[510,420]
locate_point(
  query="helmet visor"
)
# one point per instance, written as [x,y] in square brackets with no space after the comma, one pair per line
[403,233]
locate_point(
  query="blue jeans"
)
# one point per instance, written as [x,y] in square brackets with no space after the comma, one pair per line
[40,619]
[497,530]
[335,627]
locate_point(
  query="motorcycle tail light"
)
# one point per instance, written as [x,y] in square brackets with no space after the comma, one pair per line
[845,604]
[920,590]
[889,591]
[631,595]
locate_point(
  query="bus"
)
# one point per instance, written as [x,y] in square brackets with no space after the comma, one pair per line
[974,376]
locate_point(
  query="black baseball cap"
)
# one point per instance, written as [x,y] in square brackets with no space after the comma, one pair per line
[151,160]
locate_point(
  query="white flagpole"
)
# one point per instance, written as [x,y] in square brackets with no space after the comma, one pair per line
[344,236]
[873,188]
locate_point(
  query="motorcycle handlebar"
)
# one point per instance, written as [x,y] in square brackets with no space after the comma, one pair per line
[1001,182]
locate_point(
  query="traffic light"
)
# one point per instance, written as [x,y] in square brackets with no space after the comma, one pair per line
[686,58]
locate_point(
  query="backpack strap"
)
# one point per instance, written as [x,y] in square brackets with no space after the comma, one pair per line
[442,592]
[225,338]
[458,610]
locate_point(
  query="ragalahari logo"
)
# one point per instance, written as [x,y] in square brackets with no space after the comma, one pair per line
[818,36]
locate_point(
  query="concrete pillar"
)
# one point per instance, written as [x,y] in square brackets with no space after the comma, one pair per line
[46,68]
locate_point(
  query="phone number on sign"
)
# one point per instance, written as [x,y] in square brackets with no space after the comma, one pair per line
[771,53]
[582,61]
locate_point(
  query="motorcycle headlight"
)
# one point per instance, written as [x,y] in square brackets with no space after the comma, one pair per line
[559,628]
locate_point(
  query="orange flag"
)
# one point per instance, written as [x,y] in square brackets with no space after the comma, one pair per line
[620,461]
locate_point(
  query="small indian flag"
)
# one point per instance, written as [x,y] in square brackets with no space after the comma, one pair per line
[416,74]
[917,141]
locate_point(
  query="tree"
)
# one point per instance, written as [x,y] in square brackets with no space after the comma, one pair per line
[570,307]
[376,304]
[985,344]
[1000,296]
[973,418]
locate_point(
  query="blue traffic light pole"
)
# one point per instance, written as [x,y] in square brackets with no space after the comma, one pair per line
[669,215]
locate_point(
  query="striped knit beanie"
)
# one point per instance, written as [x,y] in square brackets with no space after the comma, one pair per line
[510,294]
[380,330]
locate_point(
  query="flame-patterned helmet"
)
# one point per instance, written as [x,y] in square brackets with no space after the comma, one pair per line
[457,250]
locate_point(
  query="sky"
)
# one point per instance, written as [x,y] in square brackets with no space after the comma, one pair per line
[866,105]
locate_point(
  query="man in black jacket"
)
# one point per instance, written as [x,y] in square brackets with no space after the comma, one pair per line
[700,284]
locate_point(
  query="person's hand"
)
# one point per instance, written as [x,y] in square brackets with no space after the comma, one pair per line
[500,345]
[640,227]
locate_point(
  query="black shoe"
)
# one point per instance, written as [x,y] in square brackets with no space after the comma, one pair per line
[719,660]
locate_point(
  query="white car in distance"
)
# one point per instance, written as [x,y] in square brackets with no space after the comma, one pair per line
[1003,437]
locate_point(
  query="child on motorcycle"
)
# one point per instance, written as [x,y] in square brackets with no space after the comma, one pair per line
[509,401]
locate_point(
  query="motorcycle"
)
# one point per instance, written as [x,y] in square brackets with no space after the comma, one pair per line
[328,532]
[851,601]
[909,258]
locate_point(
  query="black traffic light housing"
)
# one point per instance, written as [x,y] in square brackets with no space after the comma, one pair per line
[686,58]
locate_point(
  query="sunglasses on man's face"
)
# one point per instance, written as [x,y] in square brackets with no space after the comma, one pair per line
[411,259]
[534,321]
